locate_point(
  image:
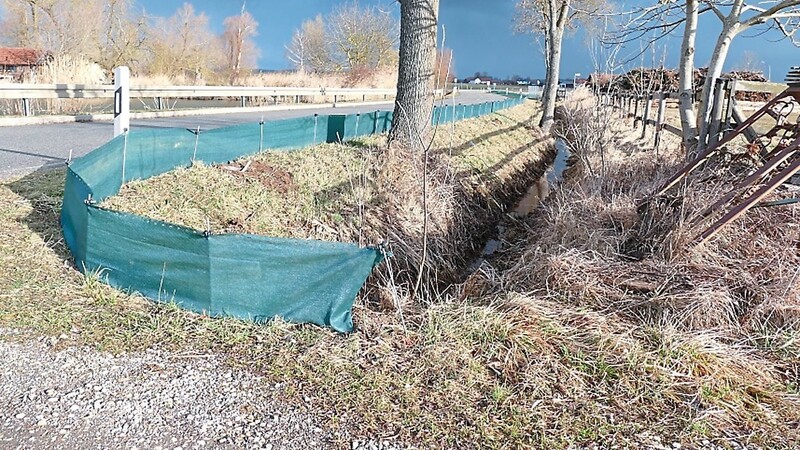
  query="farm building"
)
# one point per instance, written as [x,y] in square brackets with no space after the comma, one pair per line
[16,61]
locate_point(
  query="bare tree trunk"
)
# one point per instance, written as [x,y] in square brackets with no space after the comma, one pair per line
[411,124]
[730,28]
[714,71]
[557,19]
[688,119]
[551,84]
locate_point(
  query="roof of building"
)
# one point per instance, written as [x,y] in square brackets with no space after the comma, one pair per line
[18,56]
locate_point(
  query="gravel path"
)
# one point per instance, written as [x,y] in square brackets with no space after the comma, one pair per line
[81,398]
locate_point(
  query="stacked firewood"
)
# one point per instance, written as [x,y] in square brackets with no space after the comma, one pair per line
[639,81]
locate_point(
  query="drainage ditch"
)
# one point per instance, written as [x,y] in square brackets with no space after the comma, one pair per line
[537,192]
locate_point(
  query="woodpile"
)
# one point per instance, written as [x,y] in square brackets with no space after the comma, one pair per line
[747,75]
[640,81]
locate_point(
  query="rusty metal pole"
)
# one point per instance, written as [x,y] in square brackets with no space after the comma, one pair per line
[762,171]
[709,151]
[751,201]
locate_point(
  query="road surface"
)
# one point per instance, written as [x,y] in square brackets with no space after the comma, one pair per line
[24,149]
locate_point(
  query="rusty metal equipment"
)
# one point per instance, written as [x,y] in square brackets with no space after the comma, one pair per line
[778,149]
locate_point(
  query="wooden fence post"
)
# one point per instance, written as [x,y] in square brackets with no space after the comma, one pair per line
[662,105]
[646,114]
[729,105]
[629,109]
[624,107]
[716,112]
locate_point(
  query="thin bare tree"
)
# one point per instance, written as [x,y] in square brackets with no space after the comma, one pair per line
[686,75]
[550,19]
[240,49]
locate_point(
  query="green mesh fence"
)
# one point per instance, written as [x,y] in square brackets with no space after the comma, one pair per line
[240,275]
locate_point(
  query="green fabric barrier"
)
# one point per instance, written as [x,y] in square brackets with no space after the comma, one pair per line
[245,276]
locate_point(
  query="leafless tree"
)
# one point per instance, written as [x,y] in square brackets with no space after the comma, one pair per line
[445,62]
[663,18]
[240,49]
[184,45]
[58,26]
[686,72]
[124,37]
[551,19]
[750,62]
[351,37]
[308,50]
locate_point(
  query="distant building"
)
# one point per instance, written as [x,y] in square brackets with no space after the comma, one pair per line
[15,62]
[480,81]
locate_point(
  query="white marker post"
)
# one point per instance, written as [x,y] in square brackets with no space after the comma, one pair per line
[122,100]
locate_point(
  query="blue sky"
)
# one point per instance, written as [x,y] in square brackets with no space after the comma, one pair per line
[479,32]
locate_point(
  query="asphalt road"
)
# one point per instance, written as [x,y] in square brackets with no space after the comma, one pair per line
[27,148]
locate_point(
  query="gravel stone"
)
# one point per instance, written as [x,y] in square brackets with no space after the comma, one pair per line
[81,398]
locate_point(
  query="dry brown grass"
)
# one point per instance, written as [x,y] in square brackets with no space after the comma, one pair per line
[66,69]
[732,303]
[382,79]
[596,246]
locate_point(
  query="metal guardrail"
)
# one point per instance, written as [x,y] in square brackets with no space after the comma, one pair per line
[25,93]
[50,91]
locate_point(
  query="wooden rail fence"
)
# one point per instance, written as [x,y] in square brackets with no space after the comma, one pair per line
[726,113]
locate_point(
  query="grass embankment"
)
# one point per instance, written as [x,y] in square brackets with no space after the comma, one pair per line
[532,354]
[315,193]
[363,193]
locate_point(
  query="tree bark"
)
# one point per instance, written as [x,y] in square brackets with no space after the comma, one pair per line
[411,124]
[556,22]
[730,28]
[714,71]
[688,119]
[551,84]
